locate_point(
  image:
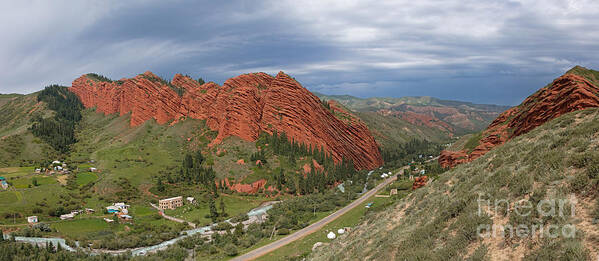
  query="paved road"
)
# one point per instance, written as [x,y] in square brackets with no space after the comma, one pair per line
[313,227]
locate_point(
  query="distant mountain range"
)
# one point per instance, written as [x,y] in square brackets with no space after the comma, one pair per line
[424,117]
[577,89]
[543,150]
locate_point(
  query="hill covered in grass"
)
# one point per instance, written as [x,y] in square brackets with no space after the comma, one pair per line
[454,217]
[423,117]
[577,89]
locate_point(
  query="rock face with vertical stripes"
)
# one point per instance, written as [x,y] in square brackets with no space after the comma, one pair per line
[243,106]
[578,89]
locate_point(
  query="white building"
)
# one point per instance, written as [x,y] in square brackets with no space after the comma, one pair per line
[121,205]
[32,219]
[191,200]
[67,216]
[171,203]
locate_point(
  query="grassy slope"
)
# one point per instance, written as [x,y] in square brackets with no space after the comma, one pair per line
[389,130]
[17,145]
[555,161]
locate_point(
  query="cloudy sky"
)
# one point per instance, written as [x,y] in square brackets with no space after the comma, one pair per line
[485,51]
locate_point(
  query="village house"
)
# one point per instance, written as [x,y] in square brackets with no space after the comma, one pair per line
[125,217]
[89,210]
[92,169]
[191,200]
[67,216]
[112,209]
[3,183]
[32,219]
[119,207]
[171,203]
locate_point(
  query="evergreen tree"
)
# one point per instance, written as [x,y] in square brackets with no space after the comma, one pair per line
[159,186]
[222,207]
[213,212]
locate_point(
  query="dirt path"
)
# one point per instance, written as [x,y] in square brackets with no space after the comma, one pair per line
[313,227]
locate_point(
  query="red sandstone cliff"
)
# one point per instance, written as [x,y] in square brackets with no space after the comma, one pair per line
[567,93]
[243,106]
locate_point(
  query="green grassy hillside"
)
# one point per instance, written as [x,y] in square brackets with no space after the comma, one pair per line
[403,117]
[443,221]
[18,146]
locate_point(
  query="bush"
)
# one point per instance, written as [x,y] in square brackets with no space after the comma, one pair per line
[579,182]
[283,231]
[231,250]
[240,218]
[223,226]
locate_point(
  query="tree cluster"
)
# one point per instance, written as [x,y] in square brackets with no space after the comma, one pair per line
[402,154]
[315,180]
[59,130]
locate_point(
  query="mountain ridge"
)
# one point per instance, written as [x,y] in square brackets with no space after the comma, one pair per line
[577,89]
[424,113]
[243,106]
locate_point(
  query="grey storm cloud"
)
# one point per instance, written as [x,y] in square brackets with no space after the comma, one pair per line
[486,51]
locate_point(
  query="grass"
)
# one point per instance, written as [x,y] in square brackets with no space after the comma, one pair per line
[303,246]
[439,221]
[82,227]
[28,181]
[85,178]
[234,205]
[473,142]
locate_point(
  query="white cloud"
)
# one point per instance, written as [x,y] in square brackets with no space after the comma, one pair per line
[328,43]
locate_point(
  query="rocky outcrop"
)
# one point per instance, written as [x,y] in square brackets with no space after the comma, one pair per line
[568,93]
[244,106]
[419,182]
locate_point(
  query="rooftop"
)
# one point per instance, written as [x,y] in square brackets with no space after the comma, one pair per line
[179,197]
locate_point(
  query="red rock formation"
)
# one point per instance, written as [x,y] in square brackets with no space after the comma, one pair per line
[244,106]
[419,182]
[567,93]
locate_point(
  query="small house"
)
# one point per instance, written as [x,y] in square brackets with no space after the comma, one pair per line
[89,210]
[56,162]
[67,216]
[38,170]
[393,192]
[108,220]
[125,217]
[92,169]
[4,184]
[32,219]
[112,209]
[191,200]
[121,205]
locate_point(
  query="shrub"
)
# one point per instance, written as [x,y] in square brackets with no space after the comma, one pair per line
[231,250]
[283,231]
[579,182]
